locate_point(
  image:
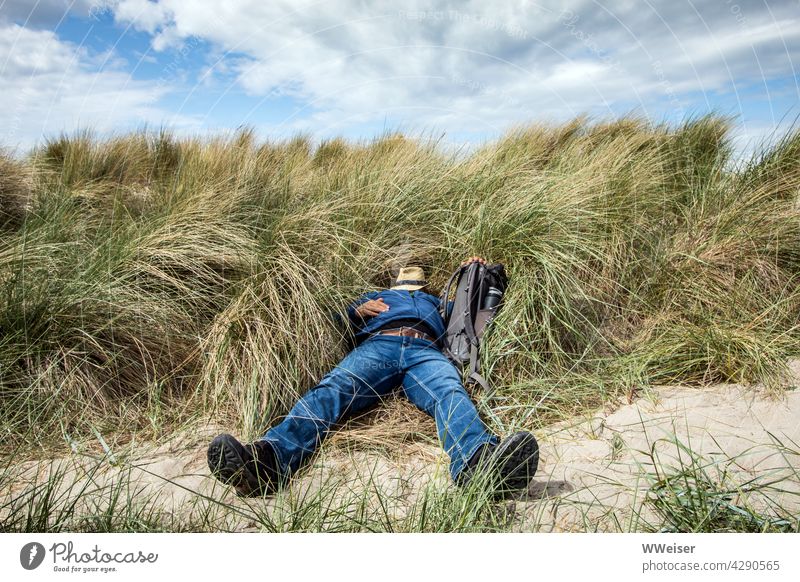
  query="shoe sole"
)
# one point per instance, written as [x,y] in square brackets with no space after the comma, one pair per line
[227,462]
[517,459]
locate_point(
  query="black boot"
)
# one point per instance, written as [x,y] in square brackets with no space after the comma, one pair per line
[511,464]
[251,469]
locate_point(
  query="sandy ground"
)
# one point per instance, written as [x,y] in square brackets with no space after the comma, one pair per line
[594,474]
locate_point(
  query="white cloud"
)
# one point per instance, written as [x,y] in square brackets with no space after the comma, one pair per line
[50,86]
[144,14]
[46,12]
[434,63]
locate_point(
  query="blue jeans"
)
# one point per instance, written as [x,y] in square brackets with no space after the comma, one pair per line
[371,371]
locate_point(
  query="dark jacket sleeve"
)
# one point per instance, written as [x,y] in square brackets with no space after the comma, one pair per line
[337,318]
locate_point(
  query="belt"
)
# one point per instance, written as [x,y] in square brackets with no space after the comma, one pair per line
[408,332]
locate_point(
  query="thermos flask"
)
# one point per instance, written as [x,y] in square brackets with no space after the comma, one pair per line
[493,297]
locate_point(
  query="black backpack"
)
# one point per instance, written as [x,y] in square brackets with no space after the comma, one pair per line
[477,292]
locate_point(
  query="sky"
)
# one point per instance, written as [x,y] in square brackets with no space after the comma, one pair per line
[463,72]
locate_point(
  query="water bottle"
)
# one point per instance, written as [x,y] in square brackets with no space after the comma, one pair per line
[493,297]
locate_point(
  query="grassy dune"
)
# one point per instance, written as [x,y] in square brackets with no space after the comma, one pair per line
[149,281]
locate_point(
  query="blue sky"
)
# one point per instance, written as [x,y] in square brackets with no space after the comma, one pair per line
[465,70]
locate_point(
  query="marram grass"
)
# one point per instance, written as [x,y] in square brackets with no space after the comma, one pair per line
[147,279]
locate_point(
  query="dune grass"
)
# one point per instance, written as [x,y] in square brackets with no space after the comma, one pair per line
[683,492]
[148,280]
[708,495]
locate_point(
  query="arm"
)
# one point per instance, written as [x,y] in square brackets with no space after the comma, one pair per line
[364,307]
[347,316]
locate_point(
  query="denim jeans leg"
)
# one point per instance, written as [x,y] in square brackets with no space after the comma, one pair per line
[366,374]
[433,384]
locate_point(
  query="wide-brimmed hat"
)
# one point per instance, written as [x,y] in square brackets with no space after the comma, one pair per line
[410,279]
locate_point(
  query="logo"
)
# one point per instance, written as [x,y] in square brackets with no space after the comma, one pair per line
[31,555]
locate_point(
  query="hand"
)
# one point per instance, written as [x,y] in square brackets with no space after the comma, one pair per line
[371,308]
[475,259]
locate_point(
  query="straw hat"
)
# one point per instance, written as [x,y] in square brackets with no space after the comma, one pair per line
[410,279]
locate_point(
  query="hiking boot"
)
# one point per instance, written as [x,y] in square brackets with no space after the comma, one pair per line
[251,469]
[513,463]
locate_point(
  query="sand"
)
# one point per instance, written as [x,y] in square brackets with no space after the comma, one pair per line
[594,475]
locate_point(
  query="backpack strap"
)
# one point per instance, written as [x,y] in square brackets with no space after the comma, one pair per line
[474,357]
[474,376]
[469,328]
[445,297]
